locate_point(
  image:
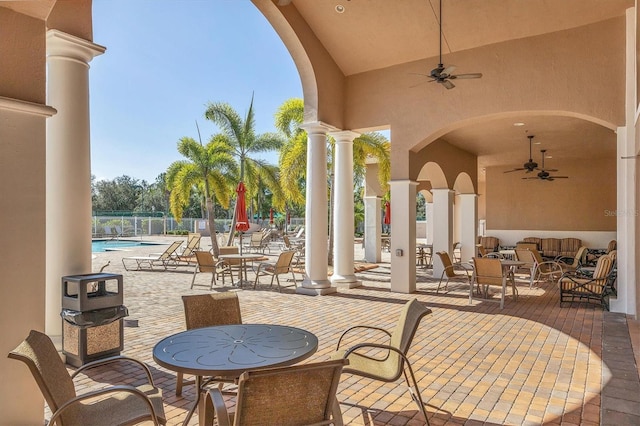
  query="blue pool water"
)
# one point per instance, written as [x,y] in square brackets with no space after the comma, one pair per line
[98,246]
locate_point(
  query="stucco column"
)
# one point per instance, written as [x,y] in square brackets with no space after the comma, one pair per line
[403,236]
[343,229]
[442,225]
[372,229]
[429,218]
[316,216]
[68,203]
[468,207]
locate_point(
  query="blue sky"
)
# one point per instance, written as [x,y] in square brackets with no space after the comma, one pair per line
[165,60]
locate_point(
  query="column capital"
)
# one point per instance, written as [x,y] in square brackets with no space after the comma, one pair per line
[403,182]
[317,127]
[433,190]
[469,195]
[65,45]
[344,135]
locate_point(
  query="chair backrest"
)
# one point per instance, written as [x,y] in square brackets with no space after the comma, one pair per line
[206,262]
[490,243]
[550,246]
[283,264]
[231,250]
[170,250]
[613,254]
[402,335]
[526,245]
[613,245]
[525,255]
[482,252]
[488,270]
[39,353]
[446,262]
[296,395]
[580,258]
[300,232]
[534,240]
[603,267]
[205,310]
[256,238]
[287,241]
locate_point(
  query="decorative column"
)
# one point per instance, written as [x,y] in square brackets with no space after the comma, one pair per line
[442,225]
[316,216]
[343,229]
[372,229]
[429,217]
[468,225]
[68,203]
[403,237]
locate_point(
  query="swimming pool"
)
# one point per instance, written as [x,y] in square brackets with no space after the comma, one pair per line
[99,246]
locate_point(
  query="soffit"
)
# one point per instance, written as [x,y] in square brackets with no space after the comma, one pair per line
[35,8]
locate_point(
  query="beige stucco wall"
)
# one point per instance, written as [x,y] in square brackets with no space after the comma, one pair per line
[586,201]
[22,200]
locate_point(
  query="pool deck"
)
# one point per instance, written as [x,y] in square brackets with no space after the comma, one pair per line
[531,363]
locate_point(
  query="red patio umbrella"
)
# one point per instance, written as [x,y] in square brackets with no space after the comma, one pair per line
[387,213]
[271,216]
[242,222]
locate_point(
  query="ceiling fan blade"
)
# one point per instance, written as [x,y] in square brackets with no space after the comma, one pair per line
[550,170]
[470,75]
[448,70]
[448,84]
[559,177]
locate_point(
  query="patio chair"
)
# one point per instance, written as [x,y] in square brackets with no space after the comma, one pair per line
[573,263]
[231,264]
[282,266]
[118,404]
[547,269]
[394,363]
[206,263]
[163,259]
[597,288]
[206,310]
[489,272]
[613,244]
[450,271]
[255,242]
[193,243]
[295,395]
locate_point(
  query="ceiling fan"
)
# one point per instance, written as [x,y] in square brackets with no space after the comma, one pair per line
[544,174]
[530,165]
[443,75]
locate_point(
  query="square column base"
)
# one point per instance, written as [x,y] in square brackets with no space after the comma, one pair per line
[347,284]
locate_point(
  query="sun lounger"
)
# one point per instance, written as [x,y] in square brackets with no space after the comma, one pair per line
[148,262]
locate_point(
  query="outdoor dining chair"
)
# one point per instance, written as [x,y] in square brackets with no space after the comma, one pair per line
[206,263]
[450,269]
[489,272]
[394,363]
[206,310]
[282,266]
[592,289]
[114,405]
[293,395]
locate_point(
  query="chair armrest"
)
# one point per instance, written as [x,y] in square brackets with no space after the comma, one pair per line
[100,392]
[344,333]
[113,359]
[214,407]
[374,346]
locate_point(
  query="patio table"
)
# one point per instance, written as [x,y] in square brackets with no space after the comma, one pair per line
[230,350]
[243,258]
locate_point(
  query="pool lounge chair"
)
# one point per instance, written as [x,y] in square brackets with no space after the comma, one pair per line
[148,262]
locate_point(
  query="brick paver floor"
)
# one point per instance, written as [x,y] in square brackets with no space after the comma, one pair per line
[531,363]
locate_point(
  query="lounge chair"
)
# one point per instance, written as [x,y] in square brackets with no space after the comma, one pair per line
[163,259]
[117,404]
[598,288]
[187,255]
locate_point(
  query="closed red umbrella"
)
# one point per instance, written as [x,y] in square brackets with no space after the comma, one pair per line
[387,213]
[242,222]
[271,215]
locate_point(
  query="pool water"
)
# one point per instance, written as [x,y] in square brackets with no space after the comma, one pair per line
[99,246]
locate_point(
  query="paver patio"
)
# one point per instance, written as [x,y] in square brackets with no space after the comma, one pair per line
[532,363]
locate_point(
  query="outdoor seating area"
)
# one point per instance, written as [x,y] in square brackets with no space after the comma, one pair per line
[533,334]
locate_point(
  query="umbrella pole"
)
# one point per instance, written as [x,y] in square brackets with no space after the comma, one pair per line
[241,242]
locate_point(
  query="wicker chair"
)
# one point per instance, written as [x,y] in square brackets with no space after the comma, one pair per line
[206,310]
[596,288]
[489,272]
[280,267]
[390,367]
[298,395]
[450,271]
[206,263]
[116,405]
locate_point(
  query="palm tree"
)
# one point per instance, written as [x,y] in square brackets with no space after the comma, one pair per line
[242,142]
[210,169]
[293,159]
